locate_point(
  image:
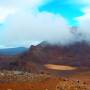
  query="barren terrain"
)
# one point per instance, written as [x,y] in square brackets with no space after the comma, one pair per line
[47,67]
[11,81]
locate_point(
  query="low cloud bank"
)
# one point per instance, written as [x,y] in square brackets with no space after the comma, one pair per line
[44,26]
[28,24]
[38,27]
[84,25]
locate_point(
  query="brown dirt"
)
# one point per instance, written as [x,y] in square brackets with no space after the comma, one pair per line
[44,85]
[52,83]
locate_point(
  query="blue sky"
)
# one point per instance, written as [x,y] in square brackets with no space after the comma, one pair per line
[67,8]
[30,21]
[64,8]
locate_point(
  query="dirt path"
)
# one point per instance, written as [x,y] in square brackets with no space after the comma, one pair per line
[59,67]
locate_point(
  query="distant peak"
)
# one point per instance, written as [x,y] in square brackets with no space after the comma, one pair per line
[44,43]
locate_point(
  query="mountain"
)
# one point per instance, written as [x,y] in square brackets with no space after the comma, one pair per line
[12,51]
[71,61]
[77,54]
[36,58]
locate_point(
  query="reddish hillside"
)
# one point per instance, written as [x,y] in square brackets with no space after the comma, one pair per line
[77,54]
[72,61]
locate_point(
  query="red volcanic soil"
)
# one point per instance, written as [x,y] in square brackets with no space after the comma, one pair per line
[82,76]
[52,83]
[44,85]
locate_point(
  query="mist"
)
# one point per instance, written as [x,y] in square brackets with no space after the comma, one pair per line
[37,27]
[84,27]
[24,27]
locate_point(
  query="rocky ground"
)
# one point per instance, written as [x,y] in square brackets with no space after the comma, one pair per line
[17,80]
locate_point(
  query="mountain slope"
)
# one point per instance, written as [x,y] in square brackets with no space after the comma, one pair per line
[38,57]
[77,54]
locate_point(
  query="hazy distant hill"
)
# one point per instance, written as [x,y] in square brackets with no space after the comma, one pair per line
[12,51]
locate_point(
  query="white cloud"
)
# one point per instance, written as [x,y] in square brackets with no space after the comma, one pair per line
[5,12]
[8,7]
[19,3]
[86,15]
[22,3]
[37,27]
[84,24]
[23,26]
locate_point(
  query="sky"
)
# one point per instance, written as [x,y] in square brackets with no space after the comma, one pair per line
[25,22]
